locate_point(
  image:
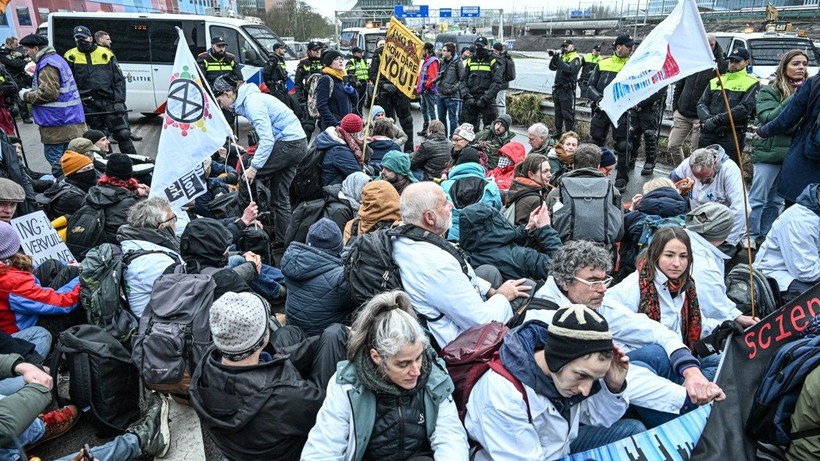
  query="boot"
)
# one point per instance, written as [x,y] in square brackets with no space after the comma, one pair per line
[57,423]
[651,148]
[152,429]
[423,131]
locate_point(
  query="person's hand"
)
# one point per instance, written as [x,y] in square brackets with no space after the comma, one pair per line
[539,218]
[143,190]
[250,214]
[254,258]
[119,107]
[32,374]
[710,125]
[250,173]
[746,320]
[700,390]
[349,89]
[636,199]
[616,375]
[512,289]
[223,153]
[22,94]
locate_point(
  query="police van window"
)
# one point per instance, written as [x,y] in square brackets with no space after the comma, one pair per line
[23,16]
[769,51]
[236,44]
[164,33]
[129,38]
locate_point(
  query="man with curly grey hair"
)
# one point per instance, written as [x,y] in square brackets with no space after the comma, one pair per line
[667,380]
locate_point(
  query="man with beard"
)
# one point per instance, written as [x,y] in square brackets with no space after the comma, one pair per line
[217,62]
[396,170]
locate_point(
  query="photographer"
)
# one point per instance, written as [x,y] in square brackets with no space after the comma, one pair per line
[15,62]
[9,108]
[566,64]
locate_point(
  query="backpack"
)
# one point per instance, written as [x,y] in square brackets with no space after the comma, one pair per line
[509,68]
[652,223]
[307,184]
[304,215]
[103,293]
[508,210]
[312,83]
[767,298]
[174,331]
[585,201]
[473,353]
[46,202]
[86,230]
[104,383]
[225,206]
[770,417]
[257,240]
[467,191]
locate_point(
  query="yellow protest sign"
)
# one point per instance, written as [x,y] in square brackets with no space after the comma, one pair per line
[401,58]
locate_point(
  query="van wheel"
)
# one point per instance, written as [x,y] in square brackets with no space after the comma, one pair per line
[149,114]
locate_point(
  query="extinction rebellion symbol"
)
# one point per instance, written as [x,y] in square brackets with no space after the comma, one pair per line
[186,102]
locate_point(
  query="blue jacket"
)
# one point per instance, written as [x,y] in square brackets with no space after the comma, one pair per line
[332,104]
[380,147]
[339,161]
[272,120]
[798,171]
[317,291]
[491,196]
[665,203]
[489,238]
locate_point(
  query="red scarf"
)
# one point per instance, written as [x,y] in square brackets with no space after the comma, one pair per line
[130,184]
[651,306]
[352,143]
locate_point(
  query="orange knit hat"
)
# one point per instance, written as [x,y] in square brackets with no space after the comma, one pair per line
[72,162]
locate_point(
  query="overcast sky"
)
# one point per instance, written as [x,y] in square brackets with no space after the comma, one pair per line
[329,7]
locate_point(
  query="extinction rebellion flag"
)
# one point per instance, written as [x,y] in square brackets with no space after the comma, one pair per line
[401,57]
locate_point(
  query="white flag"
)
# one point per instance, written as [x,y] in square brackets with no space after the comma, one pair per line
[193,129]
[675,49]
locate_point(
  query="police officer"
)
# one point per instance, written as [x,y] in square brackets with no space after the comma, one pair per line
[102,87]
[217,62]
[741,90]
[310,64]
[483,79]
[15,62]
[566,65]
[395,103]
[591,61]
[358,74]
[276,74]
[645,118]
[599,125]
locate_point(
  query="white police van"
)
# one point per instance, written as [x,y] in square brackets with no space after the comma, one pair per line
[767,49]
[145,45]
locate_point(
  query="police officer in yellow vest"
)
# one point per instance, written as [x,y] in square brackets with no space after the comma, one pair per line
[101,86]
[483,79]
[566,65]
[217,62]
[599,126]
[741,89]
[591,61]
[275,74]
[358,73]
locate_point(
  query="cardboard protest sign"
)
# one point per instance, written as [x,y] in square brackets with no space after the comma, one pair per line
[401,58]
[39,240]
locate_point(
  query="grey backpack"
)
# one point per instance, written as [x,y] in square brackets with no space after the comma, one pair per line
[589,211]
[174,331]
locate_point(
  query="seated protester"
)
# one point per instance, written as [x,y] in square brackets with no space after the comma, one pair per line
[391,398]
[396,170]
[22,298]
[608,161]
[379,210]
[440,290]
[99,140]
[562,156]
[529,186]
[32,345]
[377,113]
[494,138]
[716,179]
[509,157]
[804,420]
[462,138]
[11,196]
[575,380]
[539,139]
[465,185]
[433,153]
[334,205]
[314,275]
[586,161]
[116,191]
[488,238]
[791,252]
[214,187]
[659,204]
[350,194]
[150,229]
[334,97]
[16,168]
[143,167]
[381,142]
[666,379]
[66,196]
[257,391]
[343,150]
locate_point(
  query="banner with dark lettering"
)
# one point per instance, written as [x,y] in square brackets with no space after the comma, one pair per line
[745,361]
[401,58]
[39,240]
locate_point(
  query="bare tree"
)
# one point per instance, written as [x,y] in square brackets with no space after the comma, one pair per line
[295,18]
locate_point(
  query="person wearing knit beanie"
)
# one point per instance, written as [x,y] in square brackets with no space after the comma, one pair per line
[468,155]
[99,140]
[375,111]
[576,332]
[608,161]
[119,166]
[325,235]
[240,324]
[466,131]
[9,241]
[713,221]
[396,170]
[72,162]
[351,123]
[328,57]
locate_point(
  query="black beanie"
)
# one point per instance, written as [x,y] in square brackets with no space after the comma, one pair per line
[576,331]
[467,155]
[93,135]
[119,166]
[205,241]
[328,57]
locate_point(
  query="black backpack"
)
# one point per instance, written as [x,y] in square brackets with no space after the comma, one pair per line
[509,68]
[85,230]
[225,206]
[767,294]
[104,384]
[304,216]
[46,201]
[307,184]
[257,240]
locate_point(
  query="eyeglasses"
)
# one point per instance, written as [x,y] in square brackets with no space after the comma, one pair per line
[171,219]
[457,138]
[595,284]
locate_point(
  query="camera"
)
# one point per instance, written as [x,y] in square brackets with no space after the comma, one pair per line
[554,52]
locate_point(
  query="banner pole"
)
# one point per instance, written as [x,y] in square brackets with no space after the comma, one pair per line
[369,118]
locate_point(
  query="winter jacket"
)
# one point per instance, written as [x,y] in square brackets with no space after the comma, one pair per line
[432,156]
[426,81]
[603,75]
[439,289]
[339,161]
[792,248]
[527,196]
[380,146]
[379,208]
[262,411]
[488,238]
[708,270]
[332,101]
[798,170]
[632,331]
[566,67]
[337,207]
[494,143]
[344,425]
[215,66]
[664,202]
[450,78]
[503,176]
[465,185]
[483,79]
[769,106]
[143,271]
[688,91]
[317,290]
[18,410]
[272,120]
[64,199]
[275,74]
[497,415]
[115,201]
[97,73]
[741,89]
[806,418]
[23,300]
[726,188]
[590,62]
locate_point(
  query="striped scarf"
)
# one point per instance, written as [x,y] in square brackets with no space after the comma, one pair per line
[651,306]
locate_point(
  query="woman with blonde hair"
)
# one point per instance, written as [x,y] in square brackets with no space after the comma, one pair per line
[562,156]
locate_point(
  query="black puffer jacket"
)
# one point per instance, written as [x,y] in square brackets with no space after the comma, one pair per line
[115,201]
[689,90]
[449,78]
[433,156]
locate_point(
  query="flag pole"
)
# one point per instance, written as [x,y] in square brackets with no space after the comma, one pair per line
[369,118]
[740,158]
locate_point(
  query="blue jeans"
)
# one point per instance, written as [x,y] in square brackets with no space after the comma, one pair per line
[126,446]
[428,107]
[33,433]
[449,108]
[655,358]
[41,339]
[267,283]
[53,152]
[591,437]
[764,202]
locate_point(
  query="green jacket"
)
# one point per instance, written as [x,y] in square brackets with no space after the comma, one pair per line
[774,149]
[495,142]
[18,411]
[806,417]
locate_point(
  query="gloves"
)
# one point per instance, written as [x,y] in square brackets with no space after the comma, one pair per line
[711,125]
[349,89]
[480,104]
[119,107]
[23,93]
[716,340]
